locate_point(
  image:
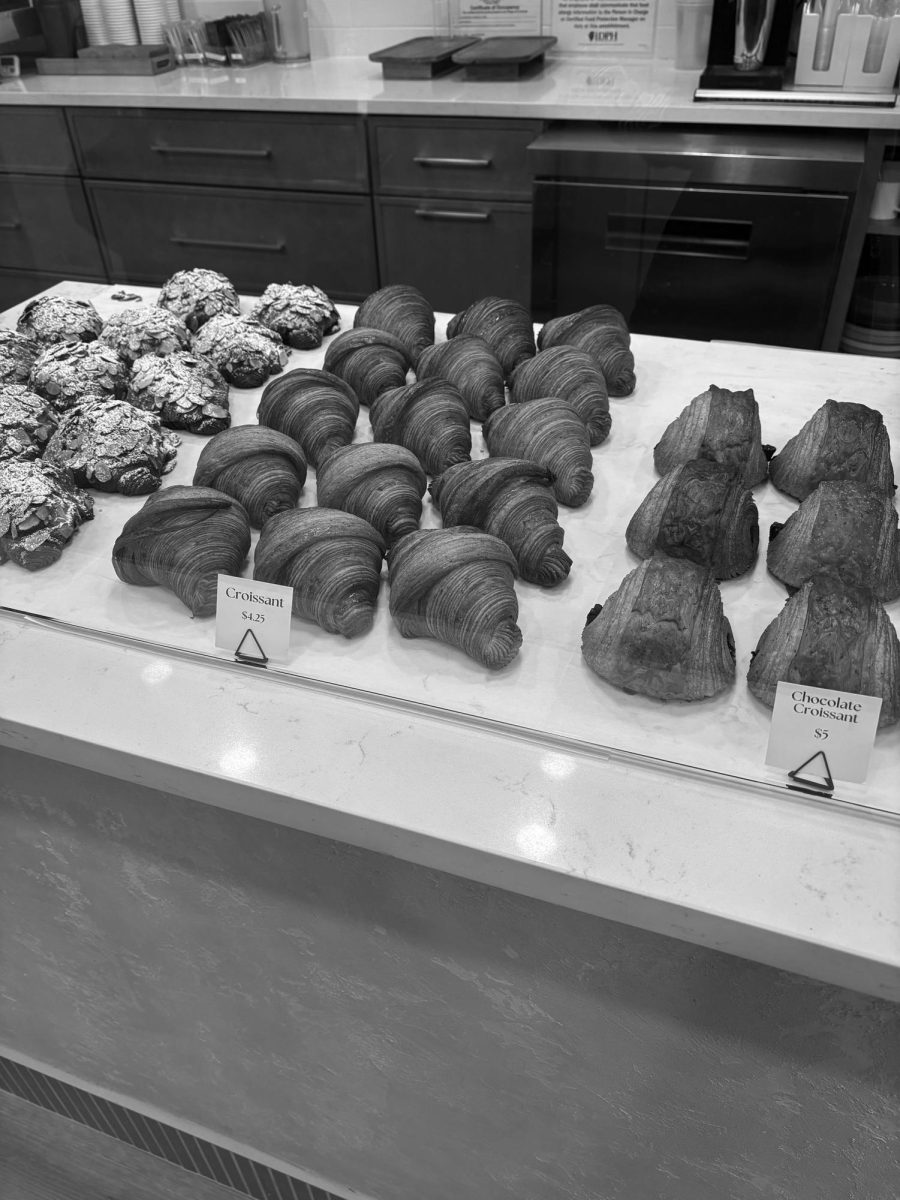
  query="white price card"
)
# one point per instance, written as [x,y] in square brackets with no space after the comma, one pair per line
[253,619]
[819,735]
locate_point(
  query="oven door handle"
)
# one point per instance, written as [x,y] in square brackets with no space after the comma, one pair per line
[689,237]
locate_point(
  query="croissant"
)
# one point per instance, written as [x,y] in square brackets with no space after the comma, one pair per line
[551,433]
[403,311]
[601,332]
[830,635]
[112,446]
[332,560]
[662,633]
[40,511]
[50,319]
[70,372]
[17,354]
[185,390]
[26,422]
[370,360]
[148,330]
[315,408]
[182,539]
[700,512]
[572,375]
[429,418]
[260,468]
[512,499]
[720,425]
[381,483]
[245,351]
[504,325]
[844,529]
[300,314]
[474,371]
[197,294]
[839,441]
[456,585]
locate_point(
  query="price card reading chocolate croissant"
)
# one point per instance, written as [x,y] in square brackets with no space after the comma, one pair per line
[253,619]
[819,735]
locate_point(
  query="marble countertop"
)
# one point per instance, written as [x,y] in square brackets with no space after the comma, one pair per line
[736,864]
[568,89]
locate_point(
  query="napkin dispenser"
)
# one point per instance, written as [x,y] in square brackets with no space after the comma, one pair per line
[856,51]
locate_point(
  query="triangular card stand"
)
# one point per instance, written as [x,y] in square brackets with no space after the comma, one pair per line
[818,777]
[249,651]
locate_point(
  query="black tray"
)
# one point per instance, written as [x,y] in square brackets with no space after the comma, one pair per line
[504,57]
[420,58]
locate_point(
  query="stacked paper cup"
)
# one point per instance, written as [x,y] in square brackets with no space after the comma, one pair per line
[152,15]
[108,21]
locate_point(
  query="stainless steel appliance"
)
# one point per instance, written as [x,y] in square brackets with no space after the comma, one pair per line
[720,233]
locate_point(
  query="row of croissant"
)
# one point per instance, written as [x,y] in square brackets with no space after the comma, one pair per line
[663,632]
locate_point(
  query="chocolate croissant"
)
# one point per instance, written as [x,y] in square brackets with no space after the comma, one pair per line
[185,390]
[51,319]
[456,585]
[315,408]
[700,512]
[512,499]
[370,360]
[504,325]
[571,375]
[114,447]
[403,311]
[26,422]
[381,483]
[551,433]
[71,372]
[429,418]
[662,633]
[300,314]
[182,539]
[844,529]
[17,355]
[602,332]
[40,511]
[839,441]
[145,329]
[245,352]
[331,559]
[719,425]
[830,635]
[468,364]
[197,294]
[260,468]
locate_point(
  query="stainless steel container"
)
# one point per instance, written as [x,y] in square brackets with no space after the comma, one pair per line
[289,25]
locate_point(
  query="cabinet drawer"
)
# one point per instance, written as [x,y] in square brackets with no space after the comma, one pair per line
[455,252]
[319,153]
[255,238]
[36,141]
[45,225]
[452,158]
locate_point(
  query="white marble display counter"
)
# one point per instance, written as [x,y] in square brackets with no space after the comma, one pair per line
[521,782]
[570,88]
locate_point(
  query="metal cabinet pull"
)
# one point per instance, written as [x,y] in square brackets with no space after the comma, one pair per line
[10,224]
[450,214]
[210,151]
[476,163]
[212,243]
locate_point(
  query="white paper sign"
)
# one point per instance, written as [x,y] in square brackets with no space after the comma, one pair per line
[623,25]
[819,735]
[487,18]
[253,619]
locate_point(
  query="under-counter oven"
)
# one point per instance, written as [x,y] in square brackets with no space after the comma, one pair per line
[725,234]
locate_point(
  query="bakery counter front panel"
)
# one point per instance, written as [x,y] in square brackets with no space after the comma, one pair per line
[541,686]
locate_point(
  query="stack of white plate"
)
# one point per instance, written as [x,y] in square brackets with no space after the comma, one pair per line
[152,15]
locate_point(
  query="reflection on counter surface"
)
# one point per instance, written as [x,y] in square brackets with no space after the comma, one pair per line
[547,691]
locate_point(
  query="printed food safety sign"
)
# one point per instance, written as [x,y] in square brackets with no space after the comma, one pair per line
[819,735]
[253,619]
[623,25]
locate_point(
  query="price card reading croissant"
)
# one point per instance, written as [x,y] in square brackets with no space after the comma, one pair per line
[819,735]
[253,619]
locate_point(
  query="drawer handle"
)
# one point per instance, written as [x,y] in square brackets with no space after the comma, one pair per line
[213,244]
[466,163]
[450,214]
[210,151]
[10,224]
